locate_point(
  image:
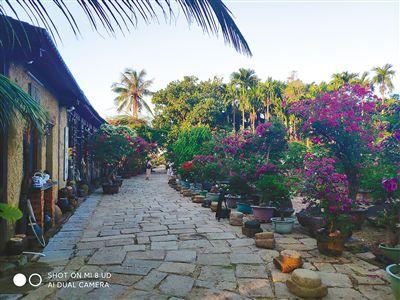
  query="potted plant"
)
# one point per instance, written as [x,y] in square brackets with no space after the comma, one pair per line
[394,278]
[326,188]
[274,194]
[238,189]
[390,219]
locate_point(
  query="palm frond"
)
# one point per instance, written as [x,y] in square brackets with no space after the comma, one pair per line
[14,100]
[144,104]
[211,15]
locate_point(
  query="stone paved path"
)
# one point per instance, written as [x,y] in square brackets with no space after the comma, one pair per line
[158,245]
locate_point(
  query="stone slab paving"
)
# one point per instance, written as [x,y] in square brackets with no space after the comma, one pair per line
[156,244]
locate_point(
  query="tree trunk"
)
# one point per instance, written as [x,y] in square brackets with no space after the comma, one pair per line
[383,93]
[253,121]
[234,119]
[243,119]
[135,107]
[267,111]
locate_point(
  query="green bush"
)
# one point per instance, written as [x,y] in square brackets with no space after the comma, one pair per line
[273,190]
[190,143]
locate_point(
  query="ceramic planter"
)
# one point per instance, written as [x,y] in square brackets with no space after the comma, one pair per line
[358,216]
[203,193]
[231,201]
[244,208]
[330,246]
[392,253]
[263,213]
[214,197]
[394,278]
[282,226]
[310,222]
[110,189]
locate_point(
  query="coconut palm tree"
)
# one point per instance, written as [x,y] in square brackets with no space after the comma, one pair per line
[383,79]
[340,79]
[131,91]
[244,80]
[110,15]
[15,101]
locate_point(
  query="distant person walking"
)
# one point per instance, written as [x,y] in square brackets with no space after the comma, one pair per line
[148,169]
[170,172]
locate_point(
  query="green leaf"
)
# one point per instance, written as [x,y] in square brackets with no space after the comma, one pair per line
[10,213]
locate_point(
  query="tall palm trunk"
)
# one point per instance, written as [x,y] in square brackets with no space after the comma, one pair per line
[234,119]
[267,110]
[253,117]
[135,106]
[243,119]
[383,93]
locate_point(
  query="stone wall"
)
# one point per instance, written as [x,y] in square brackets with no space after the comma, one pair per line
[51,148]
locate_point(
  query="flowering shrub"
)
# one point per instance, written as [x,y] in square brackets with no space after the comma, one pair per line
[118,146]
[391,214]
[342,120]
[326,188]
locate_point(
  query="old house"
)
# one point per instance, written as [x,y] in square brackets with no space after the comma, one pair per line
[30,58]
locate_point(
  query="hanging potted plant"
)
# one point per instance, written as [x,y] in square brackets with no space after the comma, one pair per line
[326,188]
[390,219]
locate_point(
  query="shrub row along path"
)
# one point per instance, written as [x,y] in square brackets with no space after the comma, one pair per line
[159,245]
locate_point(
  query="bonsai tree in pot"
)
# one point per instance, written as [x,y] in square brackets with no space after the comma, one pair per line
[390,219]
[328,189]
[275,195]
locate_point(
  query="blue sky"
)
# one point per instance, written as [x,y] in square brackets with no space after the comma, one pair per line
[315,38]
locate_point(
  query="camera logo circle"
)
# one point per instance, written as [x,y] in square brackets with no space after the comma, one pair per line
[19,279]
[39,282]
[34,279]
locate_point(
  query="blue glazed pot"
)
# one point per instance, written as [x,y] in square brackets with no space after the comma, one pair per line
[244,208]
[394,278]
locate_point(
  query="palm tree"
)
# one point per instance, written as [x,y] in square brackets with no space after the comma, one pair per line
[272,90]
[383,78]
[231,100]
[363,79]
[131,90]
[244,80]
[340,79]
[15,101]
[256,94]
[110,15]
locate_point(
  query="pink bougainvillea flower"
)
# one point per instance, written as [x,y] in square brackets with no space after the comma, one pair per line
[390,185]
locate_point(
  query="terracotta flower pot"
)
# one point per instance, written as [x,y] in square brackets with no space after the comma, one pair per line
[263,213]
[330,246]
